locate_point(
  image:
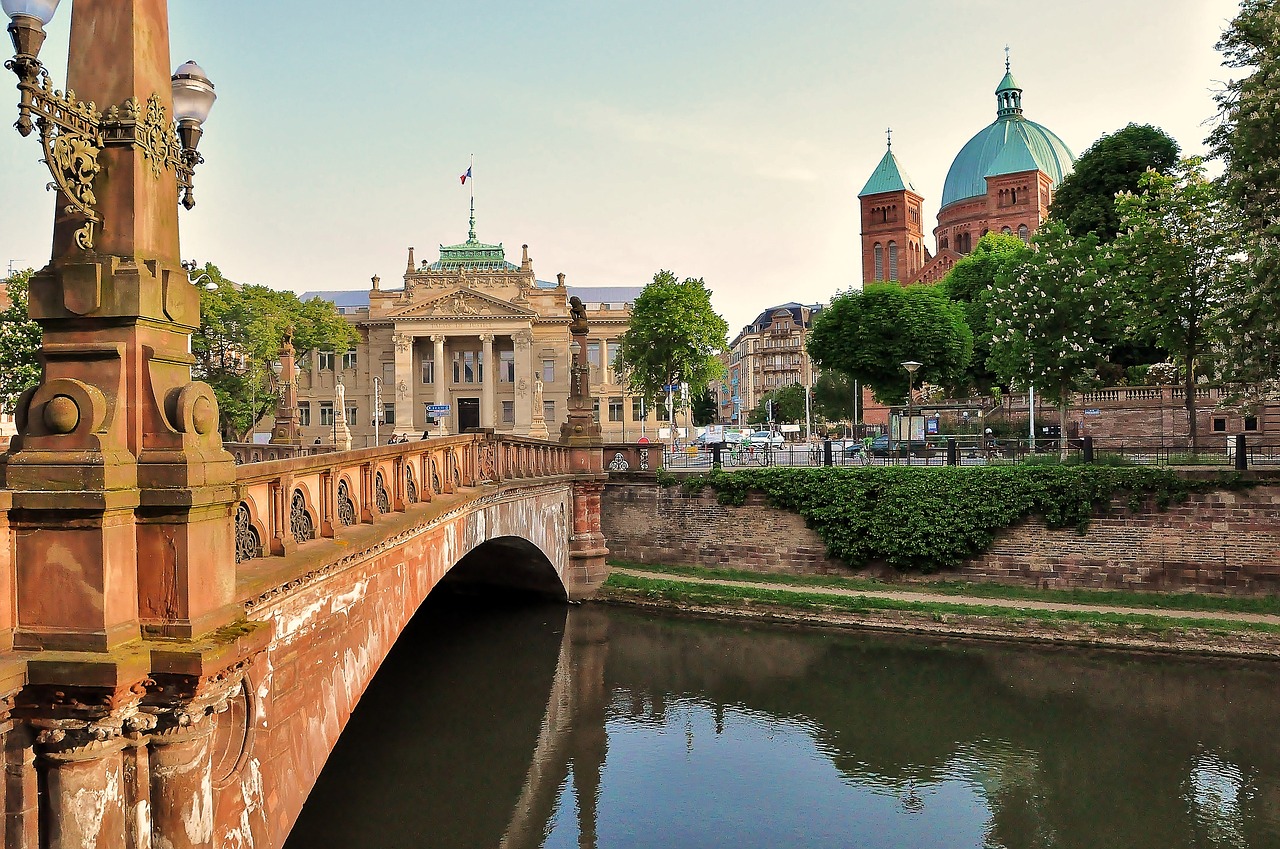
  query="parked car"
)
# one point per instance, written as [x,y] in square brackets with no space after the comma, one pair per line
[881,446]
[765,439]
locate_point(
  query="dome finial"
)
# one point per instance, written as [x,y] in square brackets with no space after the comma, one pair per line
[1008,93]
[889,135]
[1006,59]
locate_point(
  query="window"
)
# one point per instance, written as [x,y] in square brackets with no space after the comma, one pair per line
[352,412]
[612,356]
[389,414]
[549,412]
[506,366]
[508,412]
[595,410]
[893,260]
[1024,234]
[1250,422]
[468,367]
[593,356]
[548,371]
[879,252]
[429,368]
[615,409]
[1219,425]
[326,360]
[304,413]
[326,414]
[348,360]
[637,409]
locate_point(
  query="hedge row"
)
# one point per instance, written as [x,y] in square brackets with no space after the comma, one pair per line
[929,519]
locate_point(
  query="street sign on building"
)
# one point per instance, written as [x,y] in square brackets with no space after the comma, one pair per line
[438,408]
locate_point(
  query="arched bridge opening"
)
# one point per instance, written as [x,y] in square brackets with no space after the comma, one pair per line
[508,565]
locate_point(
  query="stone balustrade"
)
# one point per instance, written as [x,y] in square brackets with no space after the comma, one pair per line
[286,503]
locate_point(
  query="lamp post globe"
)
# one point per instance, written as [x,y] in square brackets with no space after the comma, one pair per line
[41,10]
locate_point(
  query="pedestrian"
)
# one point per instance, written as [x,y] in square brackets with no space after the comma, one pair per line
[426,434]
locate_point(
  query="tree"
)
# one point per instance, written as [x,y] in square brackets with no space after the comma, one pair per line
[1085,200]
[788,405]
[1178,244]
[704,407]
[241,329]
[1051,316]
[969,284]
[1247,140]
[675,337]
[868,333]
[20,337]
[834,397]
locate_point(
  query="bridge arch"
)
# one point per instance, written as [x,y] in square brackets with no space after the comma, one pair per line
[506,564]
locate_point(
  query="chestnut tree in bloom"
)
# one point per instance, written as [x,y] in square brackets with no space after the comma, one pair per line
[1178,245]
[1052,315]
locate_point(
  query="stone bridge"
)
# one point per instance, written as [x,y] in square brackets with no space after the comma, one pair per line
[216,740]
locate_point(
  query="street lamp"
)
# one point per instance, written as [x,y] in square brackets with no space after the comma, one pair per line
[74,133]
[911,366]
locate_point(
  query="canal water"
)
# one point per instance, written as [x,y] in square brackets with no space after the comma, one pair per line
[545,726]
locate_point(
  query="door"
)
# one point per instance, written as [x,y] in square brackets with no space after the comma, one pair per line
[468,414]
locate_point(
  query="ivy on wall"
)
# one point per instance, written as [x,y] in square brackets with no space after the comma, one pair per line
[930,519]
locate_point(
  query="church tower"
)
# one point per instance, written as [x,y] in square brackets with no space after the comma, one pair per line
[892,230]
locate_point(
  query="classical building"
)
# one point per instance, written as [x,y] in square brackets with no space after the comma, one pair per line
[1001,181]
[768,354]
[481,340]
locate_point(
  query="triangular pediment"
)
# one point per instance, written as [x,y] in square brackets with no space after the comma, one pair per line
[462,303]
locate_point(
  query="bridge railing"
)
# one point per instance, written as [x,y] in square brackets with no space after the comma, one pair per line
[287,503]
[257,452]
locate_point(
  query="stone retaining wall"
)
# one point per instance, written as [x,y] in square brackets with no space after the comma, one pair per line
[1223,542]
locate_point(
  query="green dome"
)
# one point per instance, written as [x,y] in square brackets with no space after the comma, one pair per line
[1010,145]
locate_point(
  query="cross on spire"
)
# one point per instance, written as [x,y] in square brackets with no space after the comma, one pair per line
[1006,58]
[888,133]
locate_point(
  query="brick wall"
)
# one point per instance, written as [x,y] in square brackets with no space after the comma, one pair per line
[1218,542]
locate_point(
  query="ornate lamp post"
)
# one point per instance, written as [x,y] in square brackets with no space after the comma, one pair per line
[911,366]
[123,496]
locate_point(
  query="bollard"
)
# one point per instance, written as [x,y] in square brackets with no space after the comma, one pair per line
[1088,449]
[826,453]
[953,453]
[716,448]
[1242,459]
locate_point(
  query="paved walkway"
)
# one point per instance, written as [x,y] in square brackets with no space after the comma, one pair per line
[941,598]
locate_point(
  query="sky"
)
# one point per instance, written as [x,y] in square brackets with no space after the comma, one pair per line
[721,139]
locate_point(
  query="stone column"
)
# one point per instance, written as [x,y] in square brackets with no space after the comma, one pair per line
[588,552]
[524,381]
[403,390]
[182,803]
[490,374]
[85,803]
[442,383]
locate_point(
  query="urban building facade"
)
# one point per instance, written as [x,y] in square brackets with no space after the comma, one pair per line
[1001,181]
[768,354]
[469,341]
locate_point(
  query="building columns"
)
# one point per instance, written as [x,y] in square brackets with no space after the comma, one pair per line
[524,381]
[404,382]
[441,383]
[489,373]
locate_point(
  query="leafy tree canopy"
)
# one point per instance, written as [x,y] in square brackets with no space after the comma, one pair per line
[834,397]
[241,330]
[1085,201]
[1179,243]
[675,336]
[19,343]
[788,405]
[867,334]
[704,408]
[969,283]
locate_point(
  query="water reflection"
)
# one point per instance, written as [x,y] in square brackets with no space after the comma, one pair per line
[540,727]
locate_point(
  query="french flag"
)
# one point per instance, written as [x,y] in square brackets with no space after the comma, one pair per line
[466,176]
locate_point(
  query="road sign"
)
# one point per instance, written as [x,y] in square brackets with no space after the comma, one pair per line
[437,408]
[736,399]
[671,387]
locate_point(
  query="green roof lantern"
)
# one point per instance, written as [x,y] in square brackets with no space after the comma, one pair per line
[472,254]
[888,176]
[1010,145]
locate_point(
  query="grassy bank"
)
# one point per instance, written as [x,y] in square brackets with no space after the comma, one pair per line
[799,598]
[1266,605]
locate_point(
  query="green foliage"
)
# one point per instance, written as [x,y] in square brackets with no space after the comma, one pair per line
[1085,201]
[868,333]
[1179,244]
[930,519]
[675,336]
[241,330]
[1052,316]
[788,405]
[704,408]
[20,339]
[969,283]
[834,398]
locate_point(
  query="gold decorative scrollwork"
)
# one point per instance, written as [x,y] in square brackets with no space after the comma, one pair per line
[72,141]
[148,128]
